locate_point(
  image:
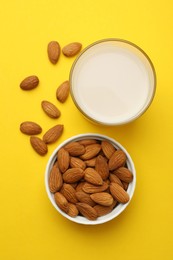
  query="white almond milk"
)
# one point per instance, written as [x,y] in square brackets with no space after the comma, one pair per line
[112,82]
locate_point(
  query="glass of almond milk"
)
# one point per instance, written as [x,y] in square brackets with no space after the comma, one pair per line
[113,82]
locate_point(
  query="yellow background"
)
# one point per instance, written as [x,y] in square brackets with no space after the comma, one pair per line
[30,228]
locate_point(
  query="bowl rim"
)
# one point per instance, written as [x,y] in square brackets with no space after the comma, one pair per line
[143,110]
[119,208]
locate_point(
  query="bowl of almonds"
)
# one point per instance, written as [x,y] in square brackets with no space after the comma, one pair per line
[90,178]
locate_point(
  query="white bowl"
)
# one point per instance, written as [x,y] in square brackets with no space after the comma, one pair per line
[113,82]
[119,208]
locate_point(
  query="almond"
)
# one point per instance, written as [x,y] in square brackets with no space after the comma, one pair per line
[75,149]
[62,91]
[50,109]
[53,134]
[69,193]
[87,211]
[72,210]
[73,175]
[101,167]
[102,198]
[119,193]
[84,197]
[75,162]
[91,151]
[55,179]
[80,186]
[87,141]
[72,49]
[107,148]
[63,159]
[61,201]
[114,178]
[117,160]
[30,128]
[91,188]
[103,210]
[38,145]
[29,83]
[91,162]
[124,174]
[53,50]
[92,176]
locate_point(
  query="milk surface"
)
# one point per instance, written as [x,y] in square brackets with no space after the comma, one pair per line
[111,83]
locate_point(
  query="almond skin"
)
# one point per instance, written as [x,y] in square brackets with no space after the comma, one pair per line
[75,162]
[117,160]
[72,49]
[87,211]
[91,151]
[72,210]
[55,179]
[61,201]
[62,91]
[119,193]
[91,188]
[84,197]
[92,176]
[108,149]
[53,50]
[87,141]
[102,198]
[63,159]
[101,167]
[91,162]
[38,145]
[75,149]
[29,82]
[69,193]
[50,109]
[30,128]
[73,175]
[114,178]
[124,174]
[53,134]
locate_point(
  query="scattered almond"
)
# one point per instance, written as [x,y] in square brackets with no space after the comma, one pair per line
[30,128]
[62,91]
[53,134]
[53,50]
[38,145]
[72,49]
[50,109]
[29,83]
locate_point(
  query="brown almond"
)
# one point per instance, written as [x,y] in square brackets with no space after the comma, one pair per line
[87,141]
[55,179]
[76,162]
[102,198]
[124,174]
[38,145]
[63,159]
[114,178]
[69,193]
[53,134]
[61,201]
[92,176]
[75,149]
[101,167]
[29,82]
[73,175]
[87,211]
[103,210]
[107,148]
[72,210]
[91,162]
[117,160]
[91,151]
[50,109]
[91,188]
[30,128]
[53,50]
[62,91]
[84,197]
[72,49]
[80,186]
[119,193]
